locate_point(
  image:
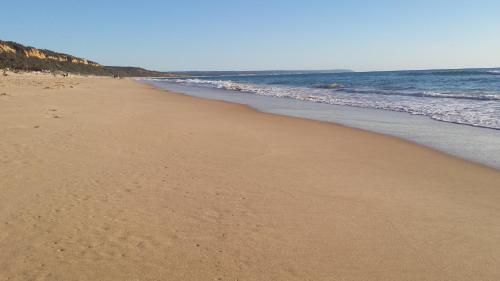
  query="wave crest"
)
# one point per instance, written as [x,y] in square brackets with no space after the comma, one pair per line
[476,109]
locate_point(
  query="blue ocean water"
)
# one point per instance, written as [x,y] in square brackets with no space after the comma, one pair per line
[466,96]
[455,111]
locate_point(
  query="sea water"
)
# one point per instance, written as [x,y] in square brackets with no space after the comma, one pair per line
[455,111]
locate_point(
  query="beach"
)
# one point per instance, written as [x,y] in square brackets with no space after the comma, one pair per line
[110,179]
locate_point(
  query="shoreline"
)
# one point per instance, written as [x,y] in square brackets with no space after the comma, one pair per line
[408,141]
[467,149]
[107,179]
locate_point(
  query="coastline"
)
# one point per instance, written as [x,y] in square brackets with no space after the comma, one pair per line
[257,110]
[470,143]
[130,182]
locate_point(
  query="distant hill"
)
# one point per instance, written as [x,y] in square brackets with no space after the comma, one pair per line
[19,57]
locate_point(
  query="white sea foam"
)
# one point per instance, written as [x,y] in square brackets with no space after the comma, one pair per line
[479,109]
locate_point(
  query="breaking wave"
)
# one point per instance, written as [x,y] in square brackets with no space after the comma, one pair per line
[477,109]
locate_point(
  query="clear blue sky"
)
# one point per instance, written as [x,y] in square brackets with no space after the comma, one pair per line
[237,35]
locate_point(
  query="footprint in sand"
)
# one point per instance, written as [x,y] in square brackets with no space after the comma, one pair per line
[3,94]
[53,112]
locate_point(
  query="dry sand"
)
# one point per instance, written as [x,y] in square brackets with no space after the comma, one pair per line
[104,179]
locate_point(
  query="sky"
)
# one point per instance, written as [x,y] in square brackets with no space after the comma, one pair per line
[262,35]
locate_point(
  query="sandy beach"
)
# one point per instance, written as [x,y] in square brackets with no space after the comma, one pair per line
[110,179]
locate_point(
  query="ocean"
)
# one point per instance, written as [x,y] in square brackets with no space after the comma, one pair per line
[456,111]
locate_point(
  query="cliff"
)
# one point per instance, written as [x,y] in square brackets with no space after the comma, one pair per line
[19,57]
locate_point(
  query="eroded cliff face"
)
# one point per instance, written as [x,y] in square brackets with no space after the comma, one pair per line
[41,54]
[34,53]
[84,61]
[6,48]
[58,58]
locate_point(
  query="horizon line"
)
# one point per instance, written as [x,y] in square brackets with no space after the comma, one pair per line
[341,70]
